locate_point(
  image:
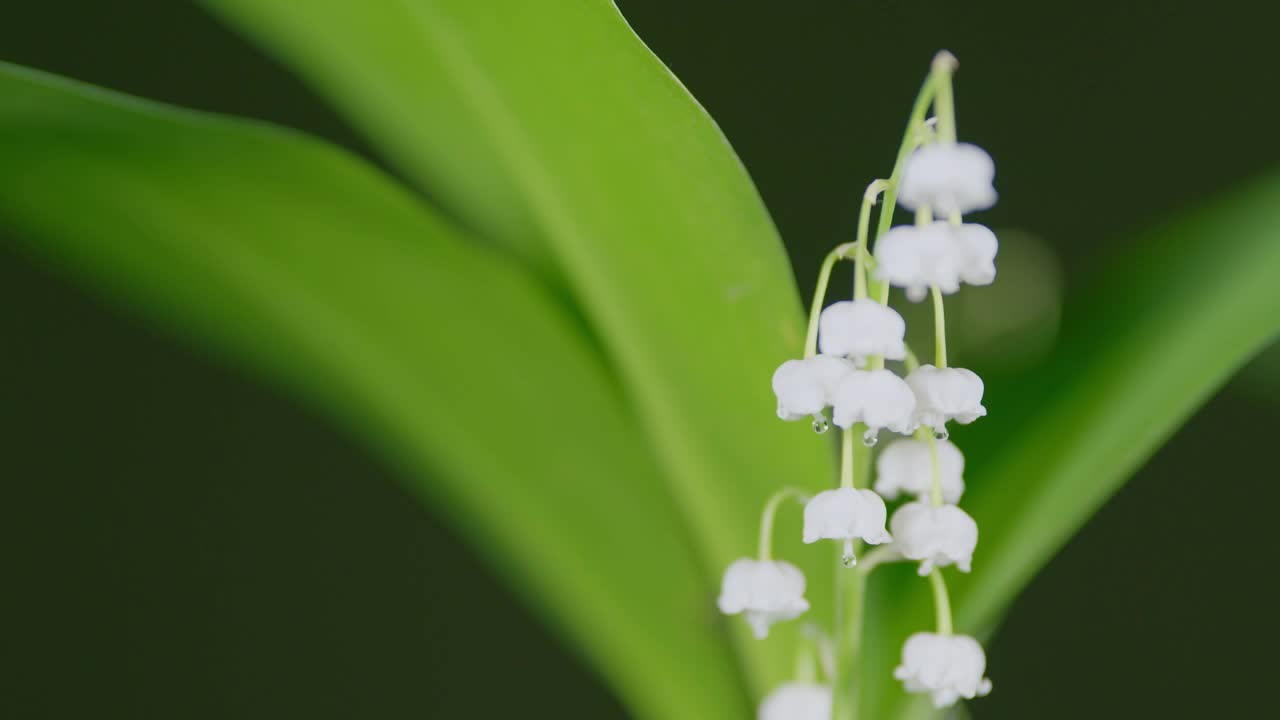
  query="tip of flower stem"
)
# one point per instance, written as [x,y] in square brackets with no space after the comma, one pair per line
[874,189]
[944,60]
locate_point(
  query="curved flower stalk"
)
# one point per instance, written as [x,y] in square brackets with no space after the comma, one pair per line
[843,367]
[763,590]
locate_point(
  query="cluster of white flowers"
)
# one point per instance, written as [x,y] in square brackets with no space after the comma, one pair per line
[929,396]
[946,179]
[844,369]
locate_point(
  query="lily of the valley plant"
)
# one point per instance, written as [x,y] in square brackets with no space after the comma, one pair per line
[844,367]
[557,317]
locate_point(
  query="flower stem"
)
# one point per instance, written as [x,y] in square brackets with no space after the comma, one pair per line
[846,457]
[864,223]
[910,139]
[911,362]
[935,491]
[770,511]
[820,295]
[941,602]
[939,329]
[857,616]
[850,589]
[944,106]
[806,668]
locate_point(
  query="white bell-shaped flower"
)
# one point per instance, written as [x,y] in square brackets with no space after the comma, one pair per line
[915,258]
[764,592]
[846,514]
[857,329]
[877,398]
[797,701]
[945,394]
[936,536]
[906,467]
[806,387]
[938,254]
[979,247]
[948,177]
[948,667]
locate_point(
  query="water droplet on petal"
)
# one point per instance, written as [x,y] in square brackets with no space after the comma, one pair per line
[940,434]
[870,438]
[820,424]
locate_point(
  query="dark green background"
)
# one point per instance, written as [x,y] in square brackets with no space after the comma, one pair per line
[179,541]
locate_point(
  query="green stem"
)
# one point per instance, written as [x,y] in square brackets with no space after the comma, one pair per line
[939,329]
[910,139]
[806,668]
[941,602]
[846,457]
[879,556]
[850,592]
[911,362]
[820,295]
[864,223]
[850,666]
[935,491]
[767,517]
[944,106]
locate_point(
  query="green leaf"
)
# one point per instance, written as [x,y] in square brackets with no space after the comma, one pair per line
[303,262]
[550,129]
[1141,349]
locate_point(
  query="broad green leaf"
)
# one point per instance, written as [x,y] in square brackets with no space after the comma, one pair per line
[1141,349]
[550,129]
[303,262]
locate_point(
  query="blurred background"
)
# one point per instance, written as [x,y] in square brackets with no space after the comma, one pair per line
[180,541]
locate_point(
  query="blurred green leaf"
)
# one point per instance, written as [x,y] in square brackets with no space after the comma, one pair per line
[550,129]
[304,262]
[1158,332]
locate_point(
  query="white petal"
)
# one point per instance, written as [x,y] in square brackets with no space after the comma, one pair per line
[845,514]
[905,466]
[764,591]
[861,328]
[917,258]
[805,387]
[945,394]
[948,177]
[937,536]
[797,701]
[948,667]
[877,398]
[979,246]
